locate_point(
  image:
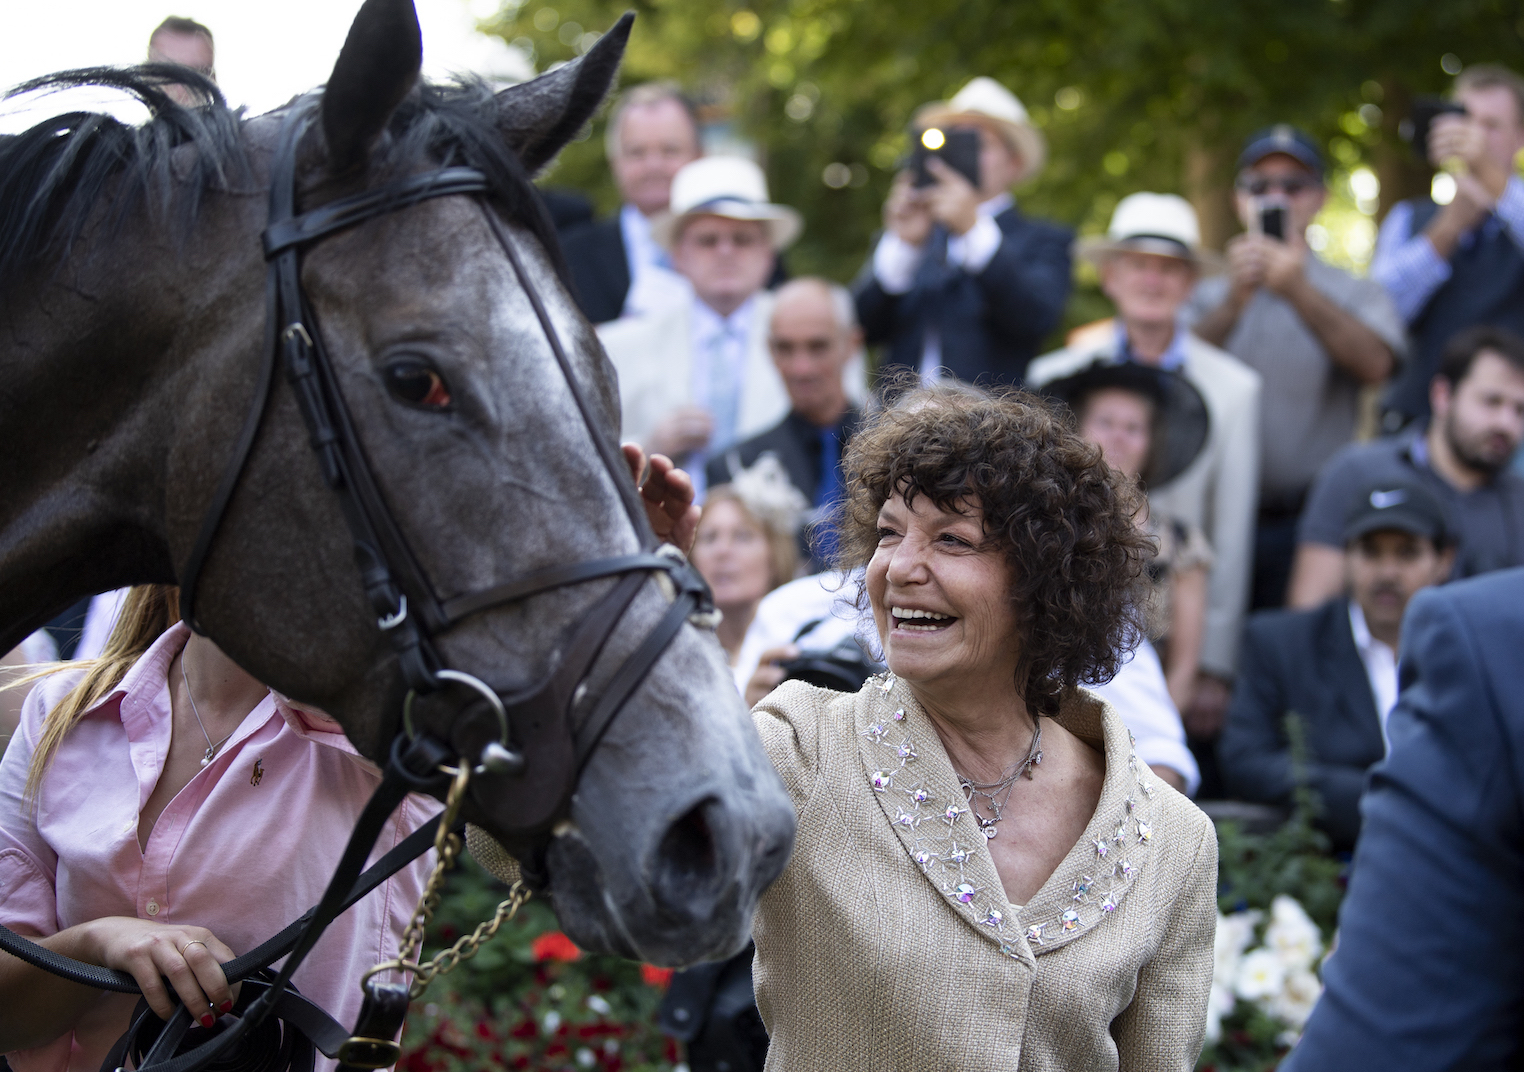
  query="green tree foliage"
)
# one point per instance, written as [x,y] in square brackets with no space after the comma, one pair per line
[1131,96]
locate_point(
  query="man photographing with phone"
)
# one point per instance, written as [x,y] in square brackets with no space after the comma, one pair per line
[1454,266]
[1315,333]
[961,283]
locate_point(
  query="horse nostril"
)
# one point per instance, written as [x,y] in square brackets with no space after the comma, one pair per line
[687,857]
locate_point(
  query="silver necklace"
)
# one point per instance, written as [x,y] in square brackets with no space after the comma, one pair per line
[211,749]
[998,794]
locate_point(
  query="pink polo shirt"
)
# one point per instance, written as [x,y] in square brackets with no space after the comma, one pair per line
[246,847]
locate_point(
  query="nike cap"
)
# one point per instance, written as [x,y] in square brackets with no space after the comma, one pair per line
[1402,506]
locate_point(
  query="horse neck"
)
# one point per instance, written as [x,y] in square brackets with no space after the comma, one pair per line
[100,354]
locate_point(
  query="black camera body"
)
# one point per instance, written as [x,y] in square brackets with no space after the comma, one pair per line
[1272,221]
[957,147]
[1415,128]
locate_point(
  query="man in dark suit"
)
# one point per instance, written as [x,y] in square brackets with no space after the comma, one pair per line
[1335,667]
[1429,969]
[811,336]
[652,132]
[960,283]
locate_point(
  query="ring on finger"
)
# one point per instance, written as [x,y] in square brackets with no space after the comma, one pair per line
[193,941]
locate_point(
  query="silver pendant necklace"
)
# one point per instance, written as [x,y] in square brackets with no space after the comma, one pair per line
[998,794]
[211,749]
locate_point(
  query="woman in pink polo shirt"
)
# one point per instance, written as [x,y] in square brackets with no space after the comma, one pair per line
[161,812]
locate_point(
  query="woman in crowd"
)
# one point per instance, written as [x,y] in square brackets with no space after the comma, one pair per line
[160,811]
[748,544]
[985,876]
[1125,410]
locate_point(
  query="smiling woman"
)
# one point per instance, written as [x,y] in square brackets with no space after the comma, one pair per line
[978,847]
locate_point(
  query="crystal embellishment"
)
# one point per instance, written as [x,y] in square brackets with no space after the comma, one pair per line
[1034,933]
[1101,848]
[1110,903]
[1145,832]
[963,892]
[899,715]
[874,732]
[882,780]
[1070,919]
[952,813]
[994,919]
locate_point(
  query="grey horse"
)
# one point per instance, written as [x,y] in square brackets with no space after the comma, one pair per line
[132,309]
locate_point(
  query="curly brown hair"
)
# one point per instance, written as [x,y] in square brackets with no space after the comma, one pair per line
[1062,516]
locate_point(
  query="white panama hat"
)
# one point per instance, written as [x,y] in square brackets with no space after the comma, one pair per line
[1162,224]
[986,101]
[729,186]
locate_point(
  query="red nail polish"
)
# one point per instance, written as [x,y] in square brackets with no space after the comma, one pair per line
[207,1020]
[226,1006]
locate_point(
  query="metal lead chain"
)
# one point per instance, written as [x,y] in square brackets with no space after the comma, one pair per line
[447,846]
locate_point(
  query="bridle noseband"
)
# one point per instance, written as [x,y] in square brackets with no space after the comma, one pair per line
[528,750]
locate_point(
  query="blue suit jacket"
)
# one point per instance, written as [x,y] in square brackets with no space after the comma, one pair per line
[1302,661]
[990,324]
[1429,972]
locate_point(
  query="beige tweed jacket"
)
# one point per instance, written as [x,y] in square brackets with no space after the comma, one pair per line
[888,942]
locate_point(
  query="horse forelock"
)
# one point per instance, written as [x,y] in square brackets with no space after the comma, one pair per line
[55,176]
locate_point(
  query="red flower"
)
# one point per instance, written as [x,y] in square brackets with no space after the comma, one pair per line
[651,975]
[553,945]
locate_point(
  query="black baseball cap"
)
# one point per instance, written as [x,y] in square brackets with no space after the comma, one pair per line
[1282,138]
[1401,505]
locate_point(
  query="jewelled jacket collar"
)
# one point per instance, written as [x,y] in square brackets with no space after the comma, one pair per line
[922,799]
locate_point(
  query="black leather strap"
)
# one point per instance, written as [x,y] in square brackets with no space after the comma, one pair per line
[546,579]
[349,211]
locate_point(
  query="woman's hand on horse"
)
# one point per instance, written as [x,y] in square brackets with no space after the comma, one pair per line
[668,495]
[190,958]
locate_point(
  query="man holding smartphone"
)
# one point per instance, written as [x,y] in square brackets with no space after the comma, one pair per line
[1315,333]
[960,283]
[1454,266]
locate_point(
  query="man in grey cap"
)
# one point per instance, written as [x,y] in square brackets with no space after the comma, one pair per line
[1315,333]
[1336,665]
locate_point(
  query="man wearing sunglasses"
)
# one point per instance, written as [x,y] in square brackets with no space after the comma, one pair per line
[1314,333]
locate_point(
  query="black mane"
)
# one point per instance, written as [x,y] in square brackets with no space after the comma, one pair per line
[54,175]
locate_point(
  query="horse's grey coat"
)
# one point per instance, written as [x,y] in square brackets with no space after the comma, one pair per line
[127,368]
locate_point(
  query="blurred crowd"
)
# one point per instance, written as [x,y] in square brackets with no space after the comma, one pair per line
[1316,445]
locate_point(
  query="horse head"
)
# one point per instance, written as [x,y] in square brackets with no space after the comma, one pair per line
[136,352]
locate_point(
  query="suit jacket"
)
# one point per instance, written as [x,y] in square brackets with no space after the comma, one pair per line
[1429,972]
[599,267]
[796,444]
[653,356]
[1304,662]
[888,942]
[990,324]
[1219,491]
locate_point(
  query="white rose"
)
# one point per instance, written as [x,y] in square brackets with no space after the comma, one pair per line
[1299,993]
[1234,933]
[1292,934]
[1260,975]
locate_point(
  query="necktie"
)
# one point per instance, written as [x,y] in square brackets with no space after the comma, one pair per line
[827,491]
[724,387]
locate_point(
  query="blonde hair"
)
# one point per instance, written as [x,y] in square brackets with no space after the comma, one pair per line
[782,549]
[146,613]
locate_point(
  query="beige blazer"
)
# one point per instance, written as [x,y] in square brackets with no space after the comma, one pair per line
[653,356]
[1219,491]
[888,943]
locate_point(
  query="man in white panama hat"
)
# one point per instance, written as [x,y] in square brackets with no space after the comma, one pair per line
[696,377]
[960,283]
[1149,260]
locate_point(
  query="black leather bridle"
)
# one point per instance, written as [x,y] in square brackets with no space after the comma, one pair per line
[527,744]
[526,748]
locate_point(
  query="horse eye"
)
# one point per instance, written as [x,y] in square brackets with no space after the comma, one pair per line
[417,384]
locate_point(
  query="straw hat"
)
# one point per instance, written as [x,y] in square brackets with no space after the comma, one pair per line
[1162,224]
[985,102]
[728,186]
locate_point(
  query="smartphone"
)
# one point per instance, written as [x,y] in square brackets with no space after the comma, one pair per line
[958,148]
[1421,119]
[1272,221]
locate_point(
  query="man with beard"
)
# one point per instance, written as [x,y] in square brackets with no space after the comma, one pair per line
[1335,666]
[1462,456]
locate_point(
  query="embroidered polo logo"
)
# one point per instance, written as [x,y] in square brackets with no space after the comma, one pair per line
[259,772]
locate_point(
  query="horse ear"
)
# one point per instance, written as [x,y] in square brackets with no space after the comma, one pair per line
[539,117]
[376,68]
